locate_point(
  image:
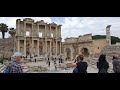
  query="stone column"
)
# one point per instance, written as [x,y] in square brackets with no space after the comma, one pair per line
[46,45]
[32,30]
[50,48]
[32,40]
[24,39]
[38,47]
[43,46]
[108,37]
[38,29]
[38,40]
[45,31]
[56,47]
[18,46]
[25,46]
[45,40]
[71,57]
[60,47]
[56,40]
[24,29]
[18,26]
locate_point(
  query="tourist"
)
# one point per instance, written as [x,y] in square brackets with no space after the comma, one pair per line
[48,62]
[35,59]
[102,64]
[55,64]
[81,66]
[15,66]
[59,60]
[116,64]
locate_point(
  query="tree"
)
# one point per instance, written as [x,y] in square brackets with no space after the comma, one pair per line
[3,29]
[12,32]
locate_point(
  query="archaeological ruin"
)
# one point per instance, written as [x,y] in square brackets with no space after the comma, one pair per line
[38,38]
[85,45]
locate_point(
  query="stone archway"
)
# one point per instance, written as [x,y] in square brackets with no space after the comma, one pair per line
[68,53]
[85,52]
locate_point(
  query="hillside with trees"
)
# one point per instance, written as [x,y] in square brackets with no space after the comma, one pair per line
[113,38]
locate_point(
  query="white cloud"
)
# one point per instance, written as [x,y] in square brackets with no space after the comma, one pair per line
[75,26]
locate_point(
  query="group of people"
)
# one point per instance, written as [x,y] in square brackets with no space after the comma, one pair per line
[102,64]
[54,59]
[80,65]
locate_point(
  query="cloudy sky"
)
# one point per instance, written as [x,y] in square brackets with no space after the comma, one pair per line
[74,26]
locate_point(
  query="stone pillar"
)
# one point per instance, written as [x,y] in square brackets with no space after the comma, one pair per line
[71,57]
[32,40]
[24,39]
[45,31]
[38,47]
[56,40]
[45,40]
[18,28]
[18,46]
[38,40]
[25,46]
[38,29]
[32,30]
[50,48]
[108,37]
[46,45]
[56,47]
[56,31]
[43,46]
[60,47]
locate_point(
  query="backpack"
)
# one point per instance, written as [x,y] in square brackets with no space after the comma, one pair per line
[7,69]
[103,70]
[75,70]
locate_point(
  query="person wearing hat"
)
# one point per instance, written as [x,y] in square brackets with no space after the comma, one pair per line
[15,66]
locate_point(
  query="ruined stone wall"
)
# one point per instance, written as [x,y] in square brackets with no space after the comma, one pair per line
[85,37]
[111,50]
[98,45]
[6,47]
[71,40]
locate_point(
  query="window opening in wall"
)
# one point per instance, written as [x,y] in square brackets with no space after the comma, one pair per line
[40,34]
[51,34]
[27,33]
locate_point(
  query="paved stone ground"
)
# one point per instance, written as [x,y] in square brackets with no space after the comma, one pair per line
[42,67]
[51,69]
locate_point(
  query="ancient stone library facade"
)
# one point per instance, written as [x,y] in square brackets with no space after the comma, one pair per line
[38,38]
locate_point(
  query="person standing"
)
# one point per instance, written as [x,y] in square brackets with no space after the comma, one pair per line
[116,64]
[15,66]
[81,66]
[102,64]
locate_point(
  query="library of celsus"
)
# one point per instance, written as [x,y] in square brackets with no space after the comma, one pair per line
[38,38]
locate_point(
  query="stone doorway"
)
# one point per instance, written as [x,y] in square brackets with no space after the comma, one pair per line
[85,52]
[68,54]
